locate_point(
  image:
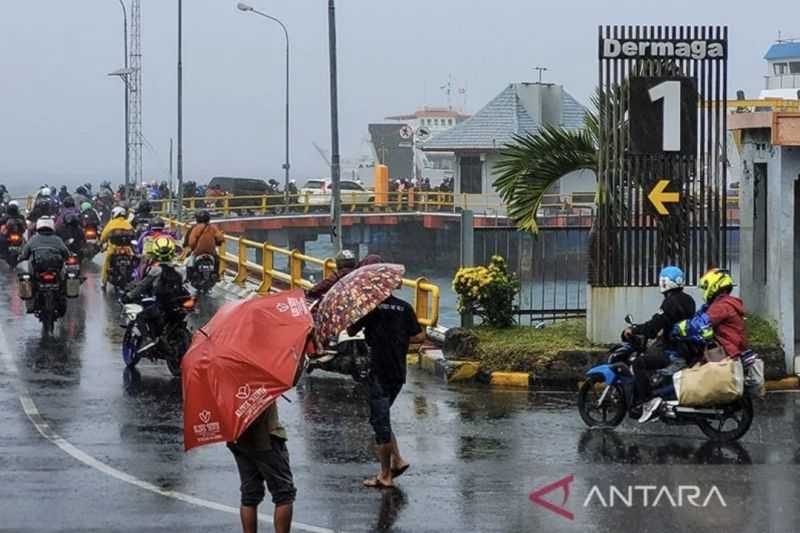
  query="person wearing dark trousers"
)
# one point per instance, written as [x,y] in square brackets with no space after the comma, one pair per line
[675,307]
[388,330]
[262,457]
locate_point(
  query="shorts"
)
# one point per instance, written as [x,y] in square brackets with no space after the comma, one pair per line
[270,466]
[381,396]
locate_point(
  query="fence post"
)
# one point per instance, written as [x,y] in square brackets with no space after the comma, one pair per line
[328,268]
[305,202]
[421,301]
[467,254]
[241,271]
[225,206]
[222,253]
[267,263]
[296,269]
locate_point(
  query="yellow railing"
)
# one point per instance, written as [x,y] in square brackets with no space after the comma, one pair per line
[426,294]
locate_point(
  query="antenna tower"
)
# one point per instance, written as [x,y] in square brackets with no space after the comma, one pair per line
[135,93]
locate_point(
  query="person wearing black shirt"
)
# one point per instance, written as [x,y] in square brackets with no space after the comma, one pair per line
[676,306]
[388,330]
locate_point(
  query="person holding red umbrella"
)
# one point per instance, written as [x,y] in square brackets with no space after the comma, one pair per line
[388,330]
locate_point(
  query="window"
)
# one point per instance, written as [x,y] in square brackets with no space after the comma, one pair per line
[471,175]
[794,67]
[450,122]
[780,69]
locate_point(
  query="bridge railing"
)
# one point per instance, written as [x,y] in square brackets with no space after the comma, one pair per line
[235,260]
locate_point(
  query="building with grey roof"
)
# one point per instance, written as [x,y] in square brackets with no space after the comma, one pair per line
[519,109]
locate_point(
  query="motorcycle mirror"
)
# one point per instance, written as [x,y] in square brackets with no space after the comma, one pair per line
[629,320]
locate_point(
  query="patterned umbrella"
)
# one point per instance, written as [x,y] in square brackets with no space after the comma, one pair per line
[354,296]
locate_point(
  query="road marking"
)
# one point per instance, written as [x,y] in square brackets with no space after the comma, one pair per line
[41,425]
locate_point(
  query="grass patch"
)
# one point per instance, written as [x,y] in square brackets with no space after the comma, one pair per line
[526,349]
[761,332]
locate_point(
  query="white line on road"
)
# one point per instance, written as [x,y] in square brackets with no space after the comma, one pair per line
[41,425]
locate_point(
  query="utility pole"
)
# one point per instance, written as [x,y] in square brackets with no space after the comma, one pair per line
[171,184]
[336,229]
[179,209]
[127,100]
[540,70]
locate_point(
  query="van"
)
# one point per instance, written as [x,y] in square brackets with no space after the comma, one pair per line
[241,187]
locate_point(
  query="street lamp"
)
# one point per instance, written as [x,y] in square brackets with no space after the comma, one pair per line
[335,165]
[127,99]
[246,8]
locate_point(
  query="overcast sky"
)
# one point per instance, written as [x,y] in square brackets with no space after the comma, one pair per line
[61,115]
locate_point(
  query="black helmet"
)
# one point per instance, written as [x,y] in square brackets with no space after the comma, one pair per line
[345,259]
[144,207]
[202,217]
[69,201]
[157,223]
[12,209]
[81,190]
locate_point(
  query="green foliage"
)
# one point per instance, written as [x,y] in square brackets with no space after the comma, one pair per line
[760,332]
[487,291]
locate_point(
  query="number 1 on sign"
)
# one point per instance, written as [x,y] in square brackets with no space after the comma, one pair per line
[670,92]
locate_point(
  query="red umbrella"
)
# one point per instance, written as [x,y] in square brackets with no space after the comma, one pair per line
[239,363]
[354,296]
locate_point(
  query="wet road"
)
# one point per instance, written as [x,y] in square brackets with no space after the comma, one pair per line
[114,460]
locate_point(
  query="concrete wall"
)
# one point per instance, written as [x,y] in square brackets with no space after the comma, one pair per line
[606,308]
[773,297]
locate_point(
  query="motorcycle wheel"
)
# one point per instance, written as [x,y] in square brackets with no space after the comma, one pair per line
[613,410]
[180,339]
[12,261]
[130,348]
[733,424]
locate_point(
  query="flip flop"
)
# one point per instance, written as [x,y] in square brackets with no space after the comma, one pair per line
[376,483]
[397,472]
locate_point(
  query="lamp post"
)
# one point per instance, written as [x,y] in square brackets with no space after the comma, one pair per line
[246,8]
[127,103]
[335,160]
[179,209]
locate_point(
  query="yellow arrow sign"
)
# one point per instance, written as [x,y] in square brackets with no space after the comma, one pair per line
[658,197]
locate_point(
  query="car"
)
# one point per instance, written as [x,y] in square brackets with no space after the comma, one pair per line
[318,192]
[241,187]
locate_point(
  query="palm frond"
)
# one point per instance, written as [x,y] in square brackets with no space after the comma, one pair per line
[532,163]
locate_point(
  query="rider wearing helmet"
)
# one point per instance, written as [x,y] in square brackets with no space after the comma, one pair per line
[118,223]
[68,207]
[156,227]
[42,207]
[89,216]
[676,306]
[11,222]
[720,319]
[162,281]
[345,263]
[143,213]
[44,243]
[203,239]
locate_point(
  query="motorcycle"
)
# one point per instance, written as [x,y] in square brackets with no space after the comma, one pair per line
[123,261]
[49,286]
[91,247]
[203,275]
[15,240]
[156,332]
[609,393]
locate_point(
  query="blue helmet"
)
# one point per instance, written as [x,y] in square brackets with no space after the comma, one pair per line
[670,278]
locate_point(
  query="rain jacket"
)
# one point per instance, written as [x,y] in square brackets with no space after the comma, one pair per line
[44,243]
[676,306]
[204,239]
[115,224]
[722,320]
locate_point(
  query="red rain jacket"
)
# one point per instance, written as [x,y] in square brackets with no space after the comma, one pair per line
[726,314]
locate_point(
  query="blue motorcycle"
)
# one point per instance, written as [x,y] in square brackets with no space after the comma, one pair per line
[609,393]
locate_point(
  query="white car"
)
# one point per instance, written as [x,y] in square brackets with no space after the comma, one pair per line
[319,193]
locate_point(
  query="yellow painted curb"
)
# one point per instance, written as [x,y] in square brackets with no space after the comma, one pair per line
[790,383]
[510,379]
[465,371]
[412,359]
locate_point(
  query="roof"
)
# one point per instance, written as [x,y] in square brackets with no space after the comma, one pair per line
[784,50]
[499,120]
[430,112]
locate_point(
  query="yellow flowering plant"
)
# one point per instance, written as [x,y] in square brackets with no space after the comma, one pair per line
[487,291]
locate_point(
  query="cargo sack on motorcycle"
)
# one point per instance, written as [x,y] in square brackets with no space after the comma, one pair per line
[25,286]
[754,381]
[710,383]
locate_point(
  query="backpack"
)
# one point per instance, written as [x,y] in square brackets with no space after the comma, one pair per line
[169,285]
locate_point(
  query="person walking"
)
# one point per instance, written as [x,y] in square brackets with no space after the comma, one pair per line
[262,457]
[388,330]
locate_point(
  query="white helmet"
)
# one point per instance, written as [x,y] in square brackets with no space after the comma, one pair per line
[14,203]
[118,212]
[45,191]
[45,223]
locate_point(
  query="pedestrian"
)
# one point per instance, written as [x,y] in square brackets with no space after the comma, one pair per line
[262,457]
[388,330]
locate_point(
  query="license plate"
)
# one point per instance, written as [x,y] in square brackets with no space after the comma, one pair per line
[91,241]
[206,268]
[13,249]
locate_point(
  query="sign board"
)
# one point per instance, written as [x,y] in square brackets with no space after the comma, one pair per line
[662,145]
[406,132]
[423,134]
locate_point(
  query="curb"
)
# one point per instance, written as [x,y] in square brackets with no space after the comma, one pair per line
[788,383]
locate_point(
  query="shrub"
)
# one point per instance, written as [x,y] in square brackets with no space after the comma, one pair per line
[487,291]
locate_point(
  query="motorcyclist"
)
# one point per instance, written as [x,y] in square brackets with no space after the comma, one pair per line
[155,228]
[43,206]
[4,196]
[68,207]
[118,223]
[720,319]
[143,213]
[202,239]
[162,281]
[676,306]
[11,221]
[43,249]
[89,216]
[81,195]
[345,263]
[71,232]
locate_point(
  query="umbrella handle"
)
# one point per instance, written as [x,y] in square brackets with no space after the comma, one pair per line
[286,398]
